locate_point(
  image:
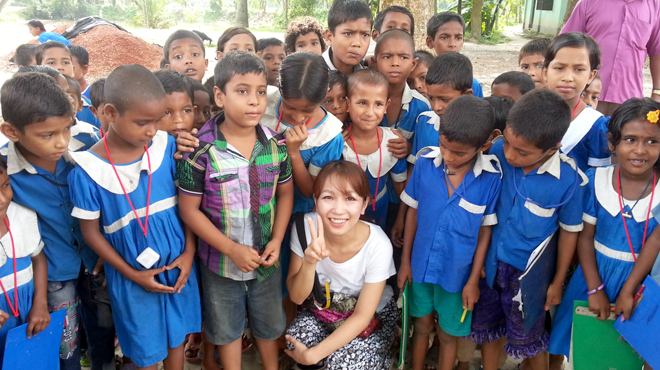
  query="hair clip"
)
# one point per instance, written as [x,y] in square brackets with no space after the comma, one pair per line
[653,116]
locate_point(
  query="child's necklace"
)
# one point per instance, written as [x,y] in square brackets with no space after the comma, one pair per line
[623,217]
[14,308]
[628,213]
[380,163]
[146,219]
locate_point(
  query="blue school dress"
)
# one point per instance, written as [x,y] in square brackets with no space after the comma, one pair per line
[613,256]
[27,244]
[324,144]
[86,114]
[427,133]
[586,140]
[390,167]
[147,323]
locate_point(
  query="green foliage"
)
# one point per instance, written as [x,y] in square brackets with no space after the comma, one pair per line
[214,11]
[506,13]
[117,13]
[152,14]
[299,8]
[59,9]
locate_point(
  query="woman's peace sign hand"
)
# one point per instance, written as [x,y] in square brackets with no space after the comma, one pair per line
[316,250]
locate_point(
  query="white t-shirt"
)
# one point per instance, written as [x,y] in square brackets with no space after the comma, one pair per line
[372,264]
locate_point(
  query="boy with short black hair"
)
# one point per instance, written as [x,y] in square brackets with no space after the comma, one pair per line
[202,103]
[271,50]
[541,195]
[417,78]
[25,55]
[34,103]
[56,55]
[445,33]
[239,255]
[80,60]
[393,17]
[531,59]
[98,104]
[448,77]
[452,196]
[184,52]
[83,113]
[512,85]
[181,111]
[349,33]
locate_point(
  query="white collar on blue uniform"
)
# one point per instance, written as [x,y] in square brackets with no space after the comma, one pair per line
[102,173]
[17,163]
[371,162]
[408,95]
[81,127]
[483,162]
[434,119]
[27,240]
[579,127]
[553,166]
[609,198]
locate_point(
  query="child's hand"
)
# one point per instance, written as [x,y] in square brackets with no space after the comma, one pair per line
[404,276]
[624,305]
[146,280]
[600,304]
[397,233]
[245,258]
[471,295]
[399,146]
[553,297]
[184,263]
[38,319]
[316,250]
[271,253]
[185,143]
[295,137]
[3,317]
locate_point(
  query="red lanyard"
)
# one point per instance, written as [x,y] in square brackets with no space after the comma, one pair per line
[14,310]
[146,219]
[618,190]
[576,107]
[380,163]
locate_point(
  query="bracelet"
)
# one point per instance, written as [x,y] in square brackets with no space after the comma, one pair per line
[655,91]
[601,287]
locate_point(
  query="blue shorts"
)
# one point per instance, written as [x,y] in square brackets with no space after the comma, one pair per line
[225,302]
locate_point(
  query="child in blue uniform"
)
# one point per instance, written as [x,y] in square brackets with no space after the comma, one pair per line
[313,136]
[452,196]
[449,76]
[541,193]
[366,143]
[123,191]
[571,63]
[617,218]
[23,270]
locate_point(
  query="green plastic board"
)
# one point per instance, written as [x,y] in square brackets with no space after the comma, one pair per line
[597,345]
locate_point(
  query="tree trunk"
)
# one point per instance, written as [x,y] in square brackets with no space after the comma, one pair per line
[490,27]
[475,20]
[242,13]
[2,4]
[262,6]
[569,10]
[422,10]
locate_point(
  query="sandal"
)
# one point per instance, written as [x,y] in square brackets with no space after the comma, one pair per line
[246,343]
[191,348]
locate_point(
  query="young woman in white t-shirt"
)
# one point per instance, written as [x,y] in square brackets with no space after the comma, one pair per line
[355,258]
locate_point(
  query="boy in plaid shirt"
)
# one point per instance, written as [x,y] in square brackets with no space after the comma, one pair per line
[236,194]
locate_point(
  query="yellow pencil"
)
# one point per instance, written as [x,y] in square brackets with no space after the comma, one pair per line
[463,317]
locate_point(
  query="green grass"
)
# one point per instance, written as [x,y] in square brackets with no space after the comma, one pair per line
[491,39]
[529,34]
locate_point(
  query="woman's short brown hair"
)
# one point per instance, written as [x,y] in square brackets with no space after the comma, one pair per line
[348,177]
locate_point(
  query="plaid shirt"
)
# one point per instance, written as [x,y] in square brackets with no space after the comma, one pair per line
[238,195]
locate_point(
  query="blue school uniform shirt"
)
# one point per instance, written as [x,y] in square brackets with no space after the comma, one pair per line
[476,88]
[448,227]
[427,133]
[390,168]
[48,194]
[324,144]
[547,198]
[52,36]
[85,92]
[86,114]
[147,318]
[412,105]
[586,140]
